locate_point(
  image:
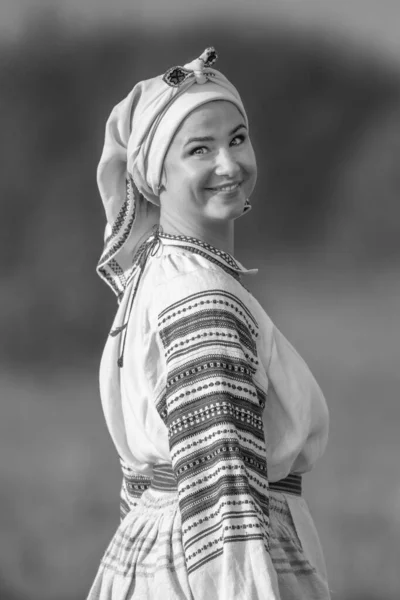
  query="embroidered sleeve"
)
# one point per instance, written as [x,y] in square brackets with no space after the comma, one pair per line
[213,411]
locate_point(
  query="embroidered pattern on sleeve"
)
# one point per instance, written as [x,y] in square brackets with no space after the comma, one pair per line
[213,412]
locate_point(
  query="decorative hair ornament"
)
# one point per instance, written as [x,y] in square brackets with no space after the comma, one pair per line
[175,76]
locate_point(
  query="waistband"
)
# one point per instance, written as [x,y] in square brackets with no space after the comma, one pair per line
[164,479]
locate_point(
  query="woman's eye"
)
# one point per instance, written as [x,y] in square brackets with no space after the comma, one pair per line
[198,151]
[237,140]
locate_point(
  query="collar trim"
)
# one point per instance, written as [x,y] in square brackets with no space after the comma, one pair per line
[197,246]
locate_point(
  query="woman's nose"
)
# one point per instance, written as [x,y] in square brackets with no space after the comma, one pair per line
[226,164]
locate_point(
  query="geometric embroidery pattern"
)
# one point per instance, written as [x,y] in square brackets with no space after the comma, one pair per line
[175,76]
[220,254]
[213,413]
[109,268]
[133,486]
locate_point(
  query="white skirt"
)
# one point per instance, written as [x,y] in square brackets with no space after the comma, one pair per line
[145,559]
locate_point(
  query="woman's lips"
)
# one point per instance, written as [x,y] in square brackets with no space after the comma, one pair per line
[226,187]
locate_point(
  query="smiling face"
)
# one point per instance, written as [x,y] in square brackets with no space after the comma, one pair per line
[210,168]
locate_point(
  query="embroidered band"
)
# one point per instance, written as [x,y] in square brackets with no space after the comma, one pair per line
[164,479]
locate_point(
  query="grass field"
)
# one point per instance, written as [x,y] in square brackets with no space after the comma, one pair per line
[59,473]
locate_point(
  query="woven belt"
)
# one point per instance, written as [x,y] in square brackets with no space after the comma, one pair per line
[164,479]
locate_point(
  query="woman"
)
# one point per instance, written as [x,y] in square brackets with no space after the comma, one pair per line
[213,413]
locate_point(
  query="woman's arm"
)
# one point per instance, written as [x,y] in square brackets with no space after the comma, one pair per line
[213,411]
[296,416]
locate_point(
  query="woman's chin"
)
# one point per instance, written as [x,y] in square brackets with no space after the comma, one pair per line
[227,211]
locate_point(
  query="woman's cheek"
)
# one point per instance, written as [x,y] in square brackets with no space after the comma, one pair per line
[204,173]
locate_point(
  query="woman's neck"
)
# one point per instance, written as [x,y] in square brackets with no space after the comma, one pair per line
[219,235]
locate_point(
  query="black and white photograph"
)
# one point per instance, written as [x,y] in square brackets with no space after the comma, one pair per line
[200,300]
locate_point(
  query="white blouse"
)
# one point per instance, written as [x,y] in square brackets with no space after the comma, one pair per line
[196,376]
[295,416]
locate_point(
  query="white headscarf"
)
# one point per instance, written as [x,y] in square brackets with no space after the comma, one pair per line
[138,134]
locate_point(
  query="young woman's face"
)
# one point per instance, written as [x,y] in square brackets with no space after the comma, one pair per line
[210,168]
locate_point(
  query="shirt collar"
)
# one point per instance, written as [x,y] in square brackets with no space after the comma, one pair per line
[224,259]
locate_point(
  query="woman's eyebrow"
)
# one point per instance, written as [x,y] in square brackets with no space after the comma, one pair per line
[236,129]
[209,138]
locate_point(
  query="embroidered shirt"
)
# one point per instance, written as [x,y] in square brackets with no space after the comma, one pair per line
[211,386]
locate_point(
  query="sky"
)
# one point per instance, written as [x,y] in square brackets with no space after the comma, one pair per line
[374,22]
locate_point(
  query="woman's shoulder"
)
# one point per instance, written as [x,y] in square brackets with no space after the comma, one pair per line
[180,274]
[176,267]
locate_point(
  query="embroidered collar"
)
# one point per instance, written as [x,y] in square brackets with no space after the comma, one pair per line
[149,248]
[225,260]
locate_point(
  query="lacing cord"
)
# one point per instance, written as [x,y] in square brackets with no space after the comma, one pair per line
[148,248]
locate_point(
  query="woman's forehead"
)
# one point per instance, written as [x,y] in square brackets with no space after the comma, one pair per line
[213,116]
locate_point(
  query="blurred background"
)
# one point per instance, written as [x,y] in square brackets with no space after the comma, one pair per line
[321,82]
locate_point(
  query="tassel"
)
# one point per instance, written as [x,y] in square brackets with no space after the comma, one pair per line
[117,330]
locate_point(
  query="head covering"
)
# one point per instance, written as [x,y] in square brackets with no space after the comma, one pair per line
[137,137]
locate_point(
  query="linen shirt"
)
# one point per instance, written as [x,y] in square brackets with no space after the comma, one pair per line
[211,387]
